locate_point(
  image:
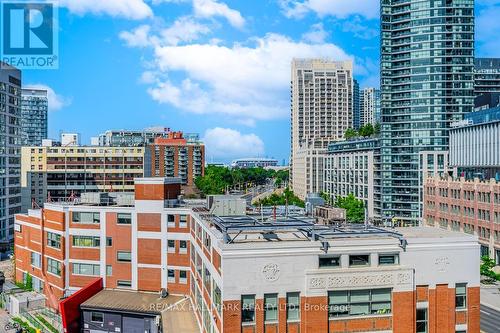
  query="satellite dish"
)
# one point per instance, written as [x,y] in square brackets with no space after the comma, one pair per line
[163,293]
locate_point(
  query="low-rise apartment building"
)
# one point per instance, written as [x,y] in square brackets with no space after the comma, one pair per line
[253,274]
[470,206]
[352,167]
[60,173]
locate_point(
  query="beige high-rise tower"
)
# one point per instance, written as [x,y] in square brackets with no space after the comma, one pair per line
[321,112]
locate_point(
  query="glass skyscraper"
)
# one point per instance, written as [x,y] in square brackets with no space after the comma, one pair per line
[427,83]
[34,110]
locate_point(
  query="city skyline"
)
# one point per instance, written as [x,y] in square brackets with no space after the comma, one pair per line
[95,42]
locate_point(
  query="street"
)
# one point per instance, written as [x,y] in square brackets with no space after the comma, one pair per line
[490,320]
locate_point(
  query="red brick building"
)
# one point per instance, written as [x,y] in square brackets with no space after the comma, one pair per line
[247,275]
[175,156]
[470,206]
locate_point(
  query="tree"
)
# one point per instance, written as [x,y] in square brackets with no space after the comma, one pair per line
[287,197]
[29,282]
[376,129]
[366,130]
[350,133]
[355,208]
[486,268]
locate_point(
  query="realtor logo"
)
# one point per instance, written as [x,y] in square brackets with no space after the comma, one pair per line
[29,34]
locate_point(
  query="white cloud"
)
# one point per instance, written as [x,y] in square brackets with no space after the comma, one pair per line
[139,37]
[317,34]
[212,8]
[337,8]
[129,9]
[184,29]
[246,82]
[56,102]
[229,143]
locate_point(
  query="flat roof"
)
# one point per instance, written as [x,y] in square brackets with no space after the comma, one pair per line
[130,301]
[431,232]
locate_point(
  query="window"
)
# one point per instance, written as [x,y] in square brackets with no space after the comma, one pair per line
[170,275]
[359,302]
[123,256]
[183,221]
[359,260]
[53,240]
[86,269]
[388,259]
[182,277]
[271,307]
[109,270]
[124,283]
[461,296]
[292,306]
[171,246]
[97,317]
[248,308]
[109,241]
[183,246]
[36,260]
[83,217]
[86,241]
[326,262]
[217,297]
[53,266]
[124,218]
[171,220]
[421,321]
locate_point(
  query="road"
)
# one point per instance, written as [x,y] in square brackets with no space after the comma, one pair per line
[490,320]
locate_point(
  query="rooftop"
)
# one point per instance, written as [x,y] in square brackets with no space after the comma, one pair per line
[130,301]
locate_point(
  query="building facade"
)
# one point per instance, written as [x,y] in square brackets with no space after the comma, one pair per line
[475,147]
[369,100]
[427,83]
[469,206]
[243,278]
[70,139]
[34,116]
[322,110]
[176,156]
[10,150]
[254,163]
[486,75]
[129,138]
[352,167]
[356,105]
[63,173]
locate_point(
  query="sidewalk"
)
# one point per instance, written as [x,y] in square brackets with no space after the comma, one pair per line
[490,296]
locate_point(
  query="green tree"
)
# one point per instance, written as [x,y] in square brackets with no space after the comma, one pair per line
[376,129]
[350,133]
[29,282]
[287,197]
[355,208]
[486,268]
[366,130]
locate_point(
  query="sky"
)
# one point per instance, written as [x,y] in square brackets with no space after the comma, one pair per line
[220,68]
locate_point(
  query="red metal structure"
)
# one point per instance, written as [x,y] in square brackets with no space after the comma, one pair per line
[70,307]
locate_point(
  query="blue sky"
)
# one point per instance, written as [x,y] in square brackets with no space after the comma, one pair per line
[217,67]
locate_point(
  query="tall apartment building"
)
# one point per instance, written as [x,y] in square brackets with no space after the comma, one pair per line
[34,116]
[356,106]
[322,110]
[467,205]
[10,150]
[353,167]
[369,100]
[427,83]
[242,275]
[486,75]
[176,156]
[61,173]
[130,138]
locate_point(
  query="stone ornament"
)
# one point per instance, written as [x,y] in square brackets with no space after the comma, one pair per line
[271,272]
